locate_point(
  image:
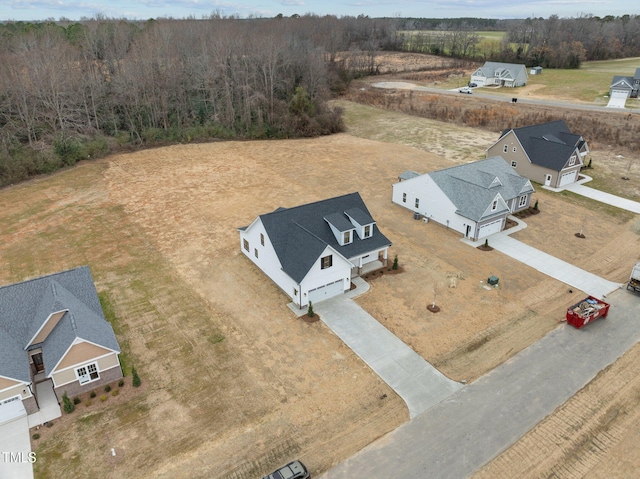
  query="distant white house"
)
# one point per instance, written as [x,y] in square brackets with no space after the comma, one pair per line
[473,199]
[500,74]
[312,251]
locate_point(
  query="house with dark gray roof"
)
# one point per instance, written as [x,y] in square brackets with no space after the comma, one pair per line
[547,153]
[473,199]
[312,251]
[52,328]
[625,86]
[500,74]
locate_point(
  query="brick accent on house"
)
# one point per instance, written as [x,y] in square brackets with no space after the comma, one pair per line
[75,388]
[30,405]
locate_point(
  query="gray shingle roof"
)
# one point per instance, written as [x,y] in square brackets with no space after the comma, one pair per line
[300,234]
[24,307]
[549,145]
[469,187]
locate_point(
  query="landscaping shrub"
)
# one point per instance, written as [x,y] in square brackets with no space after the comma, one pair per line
[121,383]
[136,378]
[115,392]
[68,406]
[92,394]
[36,436]
[76,400]
[310,310]
[103,398]
[88,403]
[395,263]
[107,388]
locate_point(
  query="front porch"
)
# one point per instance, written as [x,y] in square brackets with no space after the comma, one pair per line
[366,267]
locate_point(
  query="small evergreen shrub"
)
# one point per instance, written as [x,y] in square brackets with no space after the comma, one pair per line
[76,400]
[115,392]
[486,243]
[92,394]
[36,436]
[310,310]
[107,388]
[121,383]
[68,406]
[535,207]
[136,379]
[395,263]
[103,398]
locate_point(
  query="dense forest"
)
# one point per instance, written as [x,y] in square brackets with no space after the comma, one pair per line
[77,90]
[81,90]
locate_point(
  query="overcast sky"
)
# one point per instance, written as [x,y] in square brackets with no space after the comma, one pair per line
[145,9]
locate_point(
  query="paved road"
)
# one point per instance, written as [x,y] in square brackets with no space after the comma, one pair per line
[418,383]
[469,428]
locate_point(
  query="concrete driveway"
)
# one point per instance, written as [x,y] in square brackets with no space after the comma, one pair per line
[15,444]
[416,381]
[469,428]
[579,189]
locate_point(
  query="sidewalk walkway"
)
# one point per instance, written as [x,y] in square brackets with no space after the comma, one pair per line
[416,381]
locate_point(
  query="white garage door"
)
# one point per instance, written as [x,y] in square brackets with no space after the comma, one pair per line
[326,291]
[617,99]
[490,228]
[567,178]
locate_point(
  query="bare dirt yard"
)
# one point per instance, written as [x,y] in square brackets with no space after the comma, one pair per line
[235,385]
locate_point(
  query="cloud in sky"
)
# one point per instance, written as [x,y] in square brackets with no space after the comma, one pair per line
[144,9]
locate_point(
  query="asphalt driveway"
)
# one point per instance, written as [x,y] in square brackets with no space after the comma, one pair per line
[469,428]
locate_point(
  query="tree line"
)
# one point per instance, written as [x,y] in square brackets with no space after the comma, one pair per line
[74,90]
[551,43]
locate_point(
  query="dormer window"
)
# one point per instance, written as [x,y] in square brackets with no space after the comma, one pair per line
[367,231]
[346,237]
[494,205]
[572,160]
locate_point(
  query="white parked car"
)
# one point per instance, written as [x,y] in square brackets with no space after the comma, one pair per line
[465,89]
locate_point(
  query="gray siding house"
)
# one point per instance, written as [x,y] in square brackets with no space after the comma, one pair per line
[53,329]
[500,74]
[547,153]
[625,86]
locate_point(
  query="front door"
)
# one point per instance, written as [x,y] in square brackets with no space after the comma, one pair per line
[468,231]
[547,180]
[37,362]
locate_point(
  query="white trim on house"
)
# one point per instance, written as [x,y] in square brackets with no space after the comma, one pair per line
[79,365]
[78,341]
[30,343]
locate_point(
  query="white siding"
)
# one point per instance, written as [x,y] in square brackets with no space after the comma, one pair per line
[434,204]
[267,259]
[339,270]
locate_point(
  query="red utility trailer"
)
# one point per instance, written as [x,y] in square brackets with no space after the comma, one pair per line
[586,311]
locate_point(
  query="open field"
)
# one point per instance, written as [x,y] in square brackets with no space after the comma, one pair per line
[234,384]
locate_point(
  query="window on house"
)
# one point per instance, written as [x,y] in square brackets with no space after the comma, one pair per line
[572,160]
[522,202]
[255,252]
[494,205]
[514,164]
[417,202]
[346,237]
[326,262]
[367,231]
[505,148]
[295,292]
[88,373]
[404,197]
[514,149]
[246,244]
[261,239]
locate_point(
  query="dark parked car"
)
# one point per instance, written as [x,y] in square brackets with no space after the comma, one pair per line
[473,85]
[293,470]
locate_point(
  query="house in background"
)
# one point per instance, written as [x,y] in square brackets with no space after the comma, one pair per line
[535,71]
[500,74]
[547,153]
[52,328]
[473,199]
[312,251]
[625,86]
